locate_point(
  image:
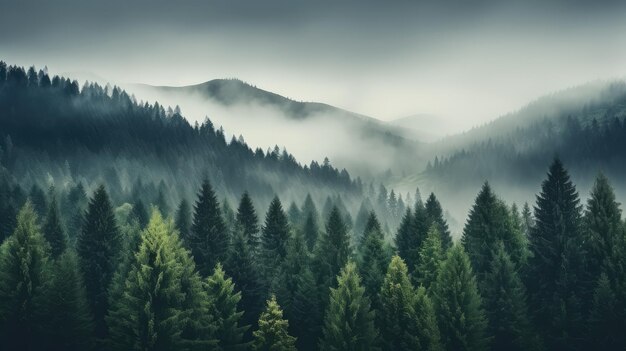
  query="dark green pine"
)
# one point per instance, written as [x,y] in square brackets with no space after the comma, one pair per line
[53,230]
[434,215]
[274,239]
[247,219]
[98,247]
[208,239]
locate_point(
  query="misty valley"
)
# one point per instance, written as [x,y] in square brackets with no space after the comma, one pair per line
[125,226]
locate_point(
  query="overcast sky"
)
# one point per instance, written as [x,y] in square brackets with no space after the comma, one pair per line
[468,61]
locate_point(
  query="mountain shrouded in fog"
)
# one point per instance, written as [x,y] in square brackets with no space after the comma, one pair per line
[312,176]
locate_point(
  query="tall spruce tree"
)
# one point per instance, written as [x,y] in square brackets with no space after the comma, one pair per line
[273,334]
[349,320]
[24,278]
[398,321]
[225,311]
[462,321]
[434,215]
[528,222]
[332,252]
[183,219]
[488,225]
[306,311]
[274,239]
[604,234]
[98,247]
[311,231]
[69,324]
[431,255]
[427,328]
[294,214]
[373,261]
[504,297]
[248,221]
[408,240]
[208,239]
[164,306]
[244,272]
[53,230]
[556,262]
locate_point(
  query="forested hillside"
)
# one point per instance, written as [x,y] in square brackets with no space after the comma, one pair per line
[52,130]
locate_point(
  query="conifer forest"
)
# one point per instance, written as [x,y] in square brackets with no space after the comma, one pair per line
[140,210]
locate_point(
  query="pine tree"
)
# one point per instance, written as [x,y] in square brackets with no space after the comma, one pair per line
[39,201]
[332,252]
[434,215]
[603,233]
[244,272]
[24,277]
[229,216]
[225,312]
[311,231]
[74,208]
[431,255]
[361,218]
[606,323]
[274,239]
[164,306]
[505,304]
[408,240]
[98,246]
[528,221]
[555,265]
[272,334]
[488,225]
[140,214]
[208,238]
[349,321]
[52,229]
[248,220]
[371,225]
[69,321]
[374,260]
[427,329]
[183,219]
[286,282]
[294,215]
[397,318]
[461,317]
[306,311]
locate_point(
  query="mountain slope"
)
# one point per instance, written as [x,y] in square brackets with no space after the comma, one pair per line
[50,126]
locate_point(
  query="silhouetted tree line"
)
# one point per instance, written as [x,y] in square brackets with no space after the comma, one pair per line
[51,125]
[78,272]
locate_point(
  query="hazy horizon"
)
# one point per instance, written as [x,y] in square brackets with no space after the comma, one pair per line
[465,64]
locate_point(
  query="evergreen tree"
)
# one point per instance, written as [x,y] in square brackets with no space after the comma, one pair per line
[74,209]
[434,215]
[371,225]
[461,317]
[248,220]
[164,306]
[362,216]
[294,215]
[408,240]
[332,251]
[98,246]
[140,214]
[183,219]
[224,310]
[306,311]
[555,265]
[528,221]
[245,274]
[505,304]
[272,334]
[24,278]
[431,255]
[311,231]
[374,260]
[69,322]
[427,329]
[603,233]
[208,238]
[286,282]
[397,318]
[52,229]
[228,215]
[161,202]
[606,323]
[349,321]
[274,239]
[488,225]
